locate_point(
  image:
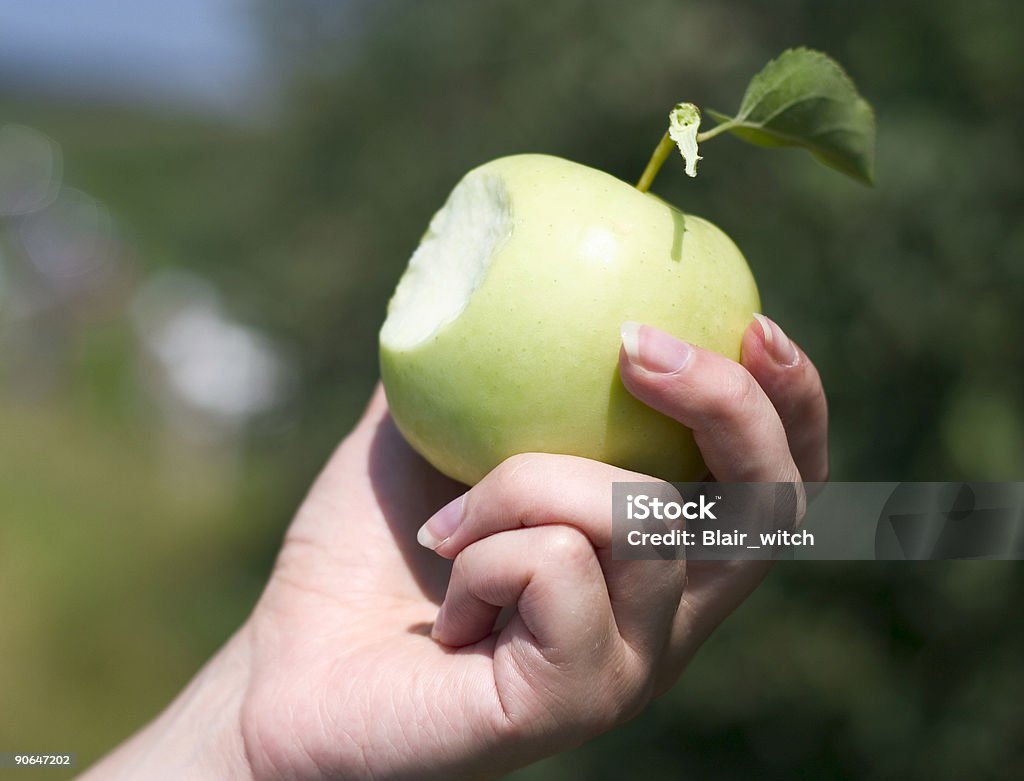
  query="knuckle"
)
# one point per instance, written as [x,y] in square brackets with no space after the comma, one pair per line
[530,487]
[733,398]
[461,565]
[566,546]
[666,491]
[516,471]
[628,692]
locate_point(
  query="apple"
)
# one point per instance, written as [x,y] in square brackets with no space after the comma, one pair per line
[503,334]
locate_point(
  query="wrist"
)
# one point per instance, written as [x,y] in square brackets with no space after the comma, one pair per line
[198,735]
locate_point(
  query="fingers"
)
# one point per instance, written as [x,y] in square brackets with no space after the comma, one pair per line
[762,421]
[793,385]
[734,423]
[753,423]
[540,490]
[550,573]
[531,489]
[560,665]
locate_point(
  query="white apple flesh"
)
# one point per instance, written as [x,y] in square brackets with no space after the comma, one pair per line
[503,334]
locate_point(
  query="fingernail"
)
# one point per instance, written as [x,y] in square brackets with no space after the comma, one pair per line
[778,345]
[654,350]
[441,524]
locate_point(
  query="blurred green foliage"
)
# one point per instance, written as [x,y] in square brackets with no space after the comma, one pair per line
[908,297]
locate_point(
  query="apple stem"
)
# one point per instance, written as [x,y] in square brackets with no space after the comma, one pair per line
[661,153]
[707,135]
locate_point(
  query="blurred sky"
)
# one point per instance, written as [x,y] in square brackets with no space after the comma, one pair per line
[199,54]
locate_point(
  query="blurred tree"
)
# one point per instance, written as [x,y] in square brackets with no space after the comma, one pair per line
[391,102]
[908,297]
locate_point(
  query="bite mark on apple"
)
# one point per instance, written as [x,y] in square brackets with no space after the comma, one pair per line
[451,261]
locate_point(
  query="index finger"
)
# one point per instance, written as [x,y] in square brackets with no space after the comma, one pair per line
[540,489]
[734,424]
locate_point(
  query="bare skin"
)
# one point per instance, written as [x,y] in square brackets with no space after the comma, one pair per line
[336,673]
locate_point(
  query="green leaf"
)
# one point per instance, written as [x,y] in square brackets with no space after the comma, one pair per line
[804,98]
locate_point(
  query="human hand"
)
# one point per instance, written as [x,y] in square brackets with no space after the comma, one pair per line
[335,674]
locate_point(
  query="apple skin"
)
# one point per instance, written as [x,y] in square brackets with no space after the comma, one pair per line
[531,364]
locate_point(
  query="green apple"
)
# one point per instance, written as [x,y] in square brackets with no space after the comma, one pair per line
[503,334]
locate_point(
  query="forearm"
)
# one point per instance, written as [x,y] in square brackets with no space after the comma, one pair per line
[198,736]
